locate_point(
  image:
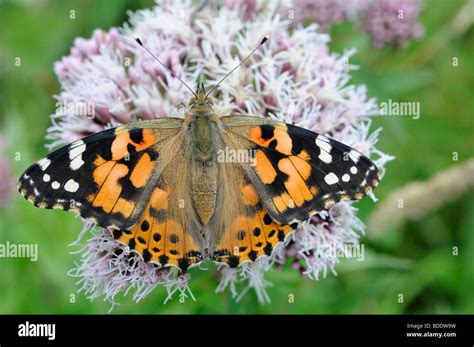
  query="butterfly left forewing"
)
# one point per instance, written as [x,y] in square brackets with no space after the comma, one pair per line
[106,177]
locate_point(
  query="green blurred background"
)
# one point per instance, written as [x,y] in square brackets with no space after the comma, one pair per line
[414,258]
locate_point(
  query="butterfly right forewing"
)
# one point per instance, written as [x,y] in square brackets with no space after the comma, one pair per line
[298,172]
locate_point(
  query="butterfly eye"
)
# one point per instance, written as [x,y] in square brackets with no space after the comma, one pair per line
[192,101]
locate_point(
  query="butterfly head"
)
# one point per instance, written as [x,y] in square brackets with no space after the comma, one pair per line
[201,99]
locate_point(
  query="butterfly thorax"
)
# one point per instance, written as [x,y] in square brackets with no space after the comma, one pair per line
[203,134]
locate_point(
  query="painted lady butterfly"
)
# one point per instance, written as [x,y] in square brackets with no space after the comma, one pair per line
[165,188]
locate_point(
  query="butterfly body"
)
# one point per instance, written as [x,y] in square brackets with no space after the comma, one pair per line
[201,127]
[178,191]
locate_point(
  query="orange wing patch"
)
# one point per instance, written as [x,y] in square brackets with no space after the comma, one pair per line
[265,168]
[278,139]
[124,207]
[124,143]
[107,177]
[296,190]
[142,171]
[296,185]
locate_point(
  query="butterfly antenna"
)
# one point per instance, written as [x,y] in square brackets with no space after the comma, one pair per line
[167,68]
[265,39]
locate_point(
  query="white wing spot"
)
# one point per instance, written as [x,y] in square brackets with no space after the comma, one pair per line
[346,178]
[325,157]
[323,143]
[44,163]
[71,186]
[353,170]
[331,178]
[46,178]
[75,154]
[55,185]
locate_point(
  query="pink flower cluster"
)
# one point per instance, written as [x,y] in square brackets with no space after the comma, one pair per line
[387,22]
[392,22]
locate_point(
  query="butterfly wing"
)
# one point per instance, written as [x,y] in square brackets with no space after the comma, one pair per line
[291,174]
[299,172]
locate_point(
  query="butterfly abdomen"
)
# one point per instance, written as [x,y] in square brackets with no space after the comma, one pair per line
[204,189]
